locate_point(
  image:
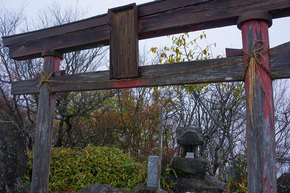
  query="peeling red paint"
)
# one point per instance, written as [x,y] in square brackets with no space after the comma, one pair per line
[265,155]
[57,63]
[272,167]
[271,187]
[261,145]
[265,180]
[129,83]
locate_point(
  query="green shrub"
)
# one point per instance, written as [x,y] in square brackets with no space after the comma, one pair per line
[238,184]
[73,169]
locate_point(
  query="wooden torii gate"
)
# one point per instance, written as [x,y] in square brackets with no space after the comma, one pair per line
[123,26]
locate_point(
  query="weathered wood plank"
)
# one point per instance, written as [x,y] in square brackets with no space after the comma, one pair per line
[155,19]
[97,21]
[279,59]
[64,43]
[261,149]
[283,48]
[43,132]
[230,52]
[161,6]
[124,50]
[280,68]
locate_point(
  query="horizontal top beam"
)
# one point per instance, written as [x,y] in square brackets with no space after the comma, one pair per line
[154,19]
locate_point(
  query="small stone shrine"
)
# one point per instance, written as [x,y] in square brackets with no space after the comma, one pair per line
[189,138]
[191,172]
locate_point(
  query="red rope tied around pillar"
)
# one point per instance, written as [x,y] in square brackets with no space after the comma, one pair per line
[255,59]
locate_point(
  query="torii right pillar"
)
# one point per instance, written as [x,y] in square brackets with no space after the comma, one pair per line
[261,148]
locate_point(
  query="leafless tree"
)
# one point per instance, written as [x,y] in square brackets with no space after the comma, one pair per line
[22,108]
[282,123]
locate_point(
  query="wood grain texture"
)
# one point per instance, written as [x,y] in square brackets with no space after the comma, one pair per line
[154,20]
[230,52]
[261,150]
[283,48]
[124,51]
[280,68]
[97,21]
[43,132]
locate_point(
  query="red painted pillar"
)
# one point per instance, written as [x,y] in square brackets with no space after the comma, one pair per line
[261,147]
[44,125]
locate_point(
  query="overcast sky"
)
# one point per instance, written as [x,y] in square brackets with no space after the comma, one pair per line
[229,37]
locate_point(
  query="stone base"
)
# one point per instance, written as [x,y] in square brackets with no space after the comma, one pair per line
[189,167]
[207,185]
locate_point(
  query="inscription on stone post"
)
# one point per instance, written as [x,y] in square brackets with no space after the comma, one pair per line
[152,171]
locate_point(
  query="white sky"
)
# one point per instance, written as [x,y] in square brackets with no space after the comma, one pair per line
[226,37]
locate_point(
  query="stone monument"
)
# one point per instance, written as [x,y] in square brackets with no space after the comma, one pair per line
[190,172]
[152,171]
[13,157]
[151,179]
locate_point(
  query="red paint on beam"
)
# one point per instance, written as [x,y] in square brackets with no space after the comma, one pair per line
[132,83]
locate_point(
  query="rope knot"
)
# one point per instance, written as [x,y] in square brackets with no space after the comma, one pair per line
[45,79]
[255,57]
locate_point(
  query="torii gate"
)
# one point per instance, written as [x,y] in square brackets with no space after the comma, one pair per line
[122,27]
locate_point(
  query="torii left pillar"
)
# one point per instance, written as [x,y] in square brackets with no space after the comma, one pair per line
[44,125]
[261,149]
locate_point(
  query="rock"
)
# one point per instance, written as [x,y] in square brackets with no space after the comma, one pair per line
[215,182]
[283,183]
[189,167]
[142,188]
[208,185]
[102,189]
[13,157]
